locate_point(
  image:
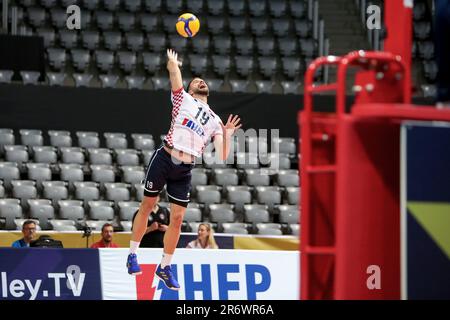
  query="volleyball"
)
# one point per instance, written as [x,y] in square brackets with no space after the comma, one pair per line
[187,25]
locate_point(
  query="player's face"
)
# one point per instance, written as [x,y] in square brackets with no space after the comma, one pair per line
[107,234]
[202,232]
[199,86]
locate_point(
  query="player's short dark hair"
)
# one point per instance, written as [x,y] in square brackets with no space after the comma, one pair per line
[107,225]
[27,222]
[189,84]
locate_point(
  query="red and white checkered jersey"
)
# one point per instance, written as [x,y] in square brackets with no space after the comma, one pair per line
[193,124]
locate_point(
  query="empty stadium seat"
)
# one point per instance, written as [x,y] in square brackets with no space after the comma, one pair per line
[267,66]
[116,140]
[45,154]
[244,45]
[56,58]
[6,138]
[193,214]
[16,153]
[6,76]
[117,192]
[56,78]
[138,191]
[247,160]
[199,177]
[63,225]
[112,40]
[135,82]
[127,209]
[24,190]
[259,26]
[72,155]
[48,35]
[42,210]
[244,65]
[290,87]
[152,61]
[239,196]
[298,9]
[143,141]
[235,227]
[289,213]
[39,172]
[30,77]
[88,139]
[133,174]
[255,213]
[293,195]
[71,210]
[102,173]
[265,45]
[127,157]
[9,171]
[281,27]
[101,210]
[225,177]
[269,195]
[71,172]
[82,80]
[31,137]
[149,22]
[37,16]
[55,190]
[90,39]
[104,60]
[10,209]
[208,194]
[221,213]
[238,26]
[216,25]
[239,85]
[81,59]
[60,138]
[257,7]
[287,178]
[201,44]
[272,229]
[295,229]
[68,38]
[126,21]
[109,80]
[86,191]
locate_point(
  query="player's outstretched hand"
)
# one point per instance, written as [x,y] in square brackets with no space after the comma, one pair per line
[232,125]
[172,58]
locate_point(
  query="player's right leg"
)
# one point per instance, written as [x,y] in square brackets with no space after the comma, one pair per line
[155,180]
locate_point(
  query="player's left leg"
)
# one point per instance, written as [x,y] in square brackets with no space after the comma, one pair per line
[178,190]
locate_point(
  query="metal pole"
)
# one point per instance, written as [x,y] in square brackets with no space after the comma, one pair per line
[327,52]
[5,16]
[310,10]
[316,20]
[321,36]
[363,12]
[376,39]
[14,20]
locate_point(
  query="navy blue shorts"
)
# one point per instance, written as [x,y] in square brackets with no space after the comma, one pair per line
[162,170]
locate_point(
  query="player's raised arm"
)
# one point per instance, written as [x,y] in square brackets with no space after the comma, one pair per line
[222,143]
[174,70]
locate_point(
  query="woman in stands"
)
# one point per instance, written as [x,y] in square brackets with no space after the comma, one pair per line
[205,238]
[193,126]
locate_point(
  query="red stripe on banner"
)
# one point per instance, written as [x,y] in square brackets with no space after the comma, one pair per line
[144,282]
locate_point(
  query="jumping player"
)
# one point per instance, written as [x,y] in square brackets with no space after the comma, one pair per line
[193,126]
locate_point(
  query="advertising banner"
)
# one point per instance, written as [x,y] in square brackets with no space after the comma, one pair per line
[204,275]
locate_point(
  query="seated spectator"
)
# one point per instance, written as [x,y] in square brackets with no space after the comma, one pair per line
[106,240]
[158,222]
[205,239]
[29,231]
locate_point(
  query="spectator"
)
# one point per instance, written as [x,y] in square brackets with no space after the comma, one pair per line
[205,239]
[106,240]
[29,231]
[157,224]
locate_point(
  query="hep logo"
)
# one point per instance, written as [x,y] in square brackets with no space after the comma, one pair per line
[255,278]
